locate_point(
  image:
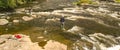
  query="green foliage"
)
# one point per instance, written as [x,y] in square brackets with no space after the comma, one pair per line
[21,1]
[80,2]
[118,1]
[1,4]
[86,1]
[12,3]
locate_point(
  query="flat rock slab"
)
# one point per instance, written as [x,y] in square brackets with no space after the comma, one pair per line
[10,42]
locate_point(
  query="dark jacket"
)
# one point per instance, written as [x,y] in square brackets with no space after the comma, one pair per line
[62,19]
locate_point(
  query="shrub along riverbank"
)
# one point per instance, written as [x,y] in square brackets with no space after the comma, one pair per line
[80,2]
[7,5]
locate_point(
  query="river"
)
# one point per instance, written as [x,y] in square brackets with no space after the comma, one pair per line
[89,27]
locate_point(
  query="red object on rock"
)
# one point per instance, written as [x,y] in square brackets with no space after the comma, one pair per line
[18,36]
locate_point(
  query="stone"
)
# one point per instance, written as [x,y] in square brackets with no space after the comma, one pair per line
[118,24]
[40,37]
[8,17]
[26,18]
[55,46]
[16,21]
[3,21]
[34,16]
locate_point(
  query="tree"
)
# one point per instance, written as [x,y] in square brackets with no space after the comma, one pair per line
[12,3]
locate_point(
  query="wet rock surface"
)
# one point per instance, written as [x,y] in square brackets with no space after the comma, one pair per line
[10,42]
[98,41]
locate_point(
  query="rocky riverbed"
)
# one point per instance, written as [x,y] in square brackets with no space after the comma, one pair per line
[87,27]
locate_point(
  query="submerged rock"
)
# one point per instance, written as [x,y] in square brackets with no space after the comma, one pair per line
[3,21]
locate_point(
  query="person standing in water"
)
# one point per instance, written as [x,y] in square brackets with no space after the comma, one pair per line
[30,10]
[62,21]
